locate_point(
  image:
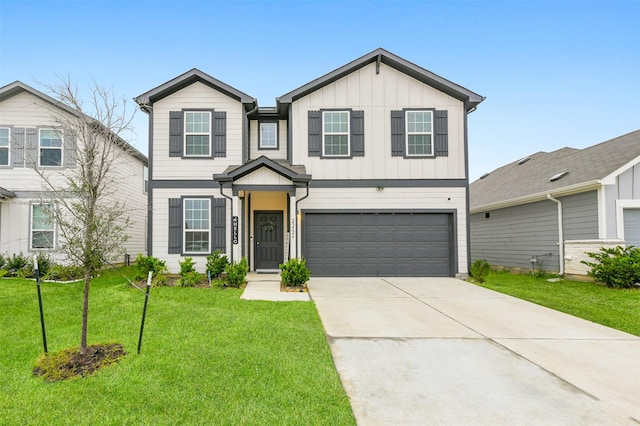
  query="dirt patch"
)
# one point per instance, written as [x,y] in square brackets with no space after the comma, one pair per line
[70,363]
[289,289]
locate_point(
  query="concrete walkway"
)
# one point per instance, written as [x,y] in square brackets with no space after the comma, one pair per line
[416,351]
[267,287]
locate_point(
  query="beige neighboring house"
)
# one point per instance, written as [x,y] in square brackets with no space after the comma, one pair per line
[31,136]
[362,171]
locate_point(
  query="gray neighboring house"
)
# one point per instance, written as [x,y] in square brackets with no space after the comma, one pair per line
[555,206]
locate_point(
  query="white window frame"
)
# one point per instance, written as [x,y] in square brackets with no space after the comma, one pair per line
[187,133]
[408,133]
[185,230]
[275,135]
[32,229]
[60,135]
[7,147]
[347,133]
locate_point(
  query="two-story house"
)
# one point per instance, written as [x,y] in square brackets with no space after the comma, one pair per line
[33,137]
[363,171]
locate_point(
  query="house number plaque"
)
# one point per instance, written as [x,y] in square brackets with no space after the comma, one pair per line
[234,224]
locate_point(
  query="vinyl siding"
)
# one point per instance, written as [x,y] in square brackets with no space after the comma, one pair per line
[359,199]
[580,216]
[627,187]
[194,96]
[377,95]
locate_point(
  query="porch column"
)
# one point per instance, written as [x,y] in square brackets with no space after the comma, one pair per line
[293,228]
[236,248]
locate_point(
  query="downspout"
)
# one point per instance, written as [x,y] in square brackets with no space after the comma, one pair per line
[298,230]
[246,150]
[231,202]
[560,234]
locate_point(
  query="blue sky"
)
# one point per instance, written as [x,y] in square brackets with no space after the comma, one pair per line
[555,73]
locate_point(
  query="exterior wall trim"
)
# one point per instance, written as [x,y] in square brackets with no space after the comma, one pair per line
[390,183]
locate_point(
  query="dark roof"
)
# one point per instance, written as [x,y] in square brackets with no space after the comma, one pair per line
[524,181]
[180,82]
[18,87]
[282,167]
[4,193]
[470,98]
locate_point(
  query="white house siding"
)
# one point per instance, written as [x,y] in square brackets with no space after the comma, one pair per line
[161,225]
[254,142]
[394,199]
[194,96]
[377,95]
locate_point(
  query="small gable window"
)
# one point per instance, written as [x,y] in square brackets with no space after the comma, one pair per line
[197,131]
[419,133]
[50,148]
[5,136]
[268,135]
[335,134]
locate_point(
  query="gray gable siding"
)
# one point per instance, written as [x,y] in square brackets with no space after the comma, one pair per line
[510,236]
[580,216]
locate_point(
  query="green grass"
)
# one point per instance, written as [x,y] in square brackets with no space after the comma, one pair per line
[207,358]
[616,308]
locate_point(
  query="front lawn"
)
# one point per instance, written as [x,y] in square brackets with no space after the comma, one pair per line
[616,308]
[207,358]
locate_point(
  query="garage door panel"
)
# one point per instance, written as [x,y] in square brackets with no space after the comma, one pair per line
[378,244]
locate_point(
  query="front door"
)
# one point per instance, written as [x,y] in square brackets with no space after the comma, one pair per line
[268,235]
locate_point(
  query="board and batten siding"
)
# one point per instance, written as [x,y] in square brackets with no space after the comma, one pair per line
[195,96]
[254,142]
[377,95]
[627,187]
[395,199]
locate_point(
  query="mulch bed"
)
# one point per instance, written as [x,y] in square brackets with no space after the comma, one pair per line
[70,363]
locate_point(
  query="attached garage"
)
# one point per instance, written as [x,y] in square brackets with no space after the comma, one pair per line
[379,243]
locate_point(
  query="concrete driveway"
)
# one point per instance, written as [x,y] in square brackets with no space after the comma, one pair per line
[440,351]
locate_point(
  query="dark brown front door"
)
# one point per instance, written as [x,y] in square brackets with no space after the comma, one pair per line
[268,235]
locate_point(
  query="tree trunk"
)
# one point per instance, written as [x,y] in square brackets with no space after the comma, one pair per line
[85,311]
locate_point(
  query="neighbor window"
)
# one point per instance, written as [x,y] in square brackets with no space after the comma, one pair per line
[335,133]
[50,147]
[197,225]
[42,227]
[5,136]
[419,132]
[145,172]
[197,130]
[268,135]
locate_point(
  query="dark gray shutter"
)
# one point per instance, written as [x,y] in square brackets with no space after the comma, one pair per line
[69,155]
[175,226]
[175,134]
[31,147]
[219,221]
[219,133]
[357,133]
[441,133]
[315,133]
[17,147]
[397,134]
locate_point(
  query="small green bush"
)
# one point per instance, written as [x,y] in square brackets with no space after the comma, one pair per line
[295,272]
[15,263]
[480,268]
[64,273]
[189,277]
[3,273]
[2,261]
[216,263]
[617,267]
[146,264]
[236,273]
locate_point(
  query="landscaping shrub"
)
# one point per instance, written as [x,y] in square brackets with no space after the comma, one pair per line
[479,270]
[236,273]
[189,277]
[64,273]
[146,264]
[617,267]
[2,261]
[15,263]
[295,272]
[216,263]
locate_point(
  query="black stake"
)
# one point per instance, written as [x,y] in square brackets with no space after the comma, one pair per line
[144,310]
[44,333]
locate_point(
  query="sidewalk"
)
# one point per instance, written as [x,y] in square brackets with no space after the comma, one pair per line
[267,287]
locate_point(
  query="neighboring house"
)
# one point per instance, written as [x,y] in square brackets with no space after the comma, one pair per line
[553,207]
[32,136]
[362,171]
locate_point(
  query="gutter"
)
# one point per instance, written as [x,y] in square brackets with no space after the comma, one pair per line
[231,202]
[297,230]
[560,234]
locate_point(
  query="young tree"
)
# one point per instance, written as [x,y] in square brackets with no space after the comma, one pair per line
[91,219]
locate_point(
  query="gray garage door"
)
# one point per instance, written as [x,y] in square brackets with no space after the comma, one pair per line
[632,226]
[378,244]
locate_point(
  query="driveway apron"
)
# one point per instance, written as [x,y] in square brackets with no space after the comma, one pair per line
[441,351]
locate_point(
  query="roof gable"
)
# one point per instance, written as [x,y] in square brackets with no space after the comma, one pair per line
[470,99]
[146,99]
[293,173]
[523,181]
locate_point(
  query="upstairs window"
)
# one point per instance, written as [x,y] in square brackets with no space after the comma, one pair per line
[197,225]
[197,131]
[50,148]
[268,135]
[419,133]
[42,227]
[5,136]
[335,133]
